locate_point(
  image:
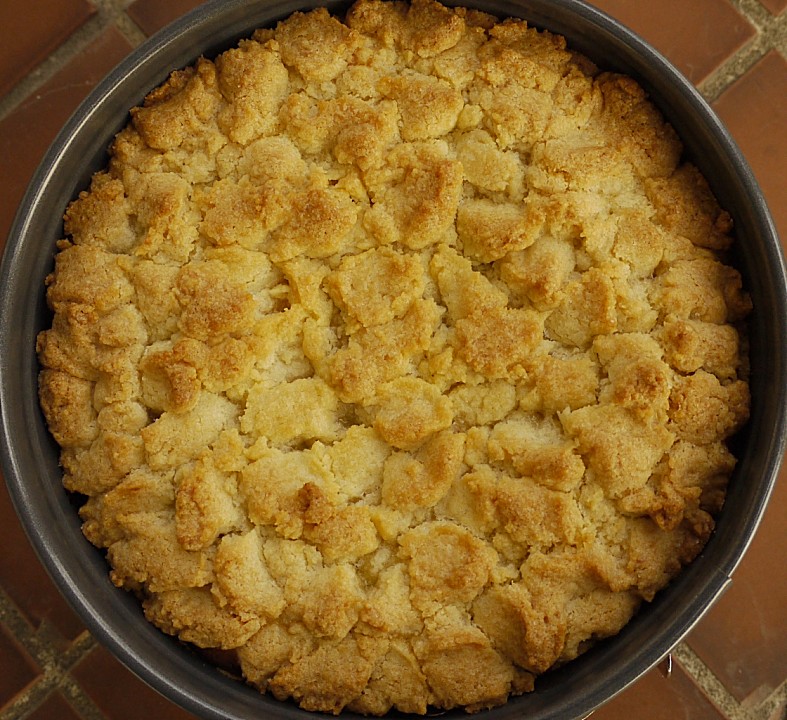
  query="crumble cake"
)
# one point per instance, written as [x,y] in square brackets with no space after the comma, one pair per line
[397,355]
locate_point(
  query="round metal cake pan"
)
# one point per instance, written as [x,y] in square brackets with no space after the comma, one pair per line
[30,456]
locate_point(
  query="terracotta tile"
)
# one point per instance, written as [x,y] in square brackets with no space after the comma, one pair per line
[17,669]
[55,707]
[28,130]
[656,697]
[775,7]
[755,110]
[744,649]
[152,15]
[26,582]
[119,693]
[743,638]
[696,36]
[32,30]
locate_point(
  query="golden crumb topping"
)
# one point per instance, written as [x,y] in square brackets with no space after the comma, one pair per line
[397,355]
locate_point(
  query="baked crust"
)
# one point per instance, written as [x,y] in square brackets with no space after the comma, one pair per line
[397,355]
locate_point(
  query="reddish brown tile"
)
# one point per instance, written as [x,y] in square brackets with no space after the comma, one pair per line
[696,36]
[743,639]
[17,669]
[32,30]
[26,582]
[755,110]
[29,129]
[152,15]
[119,693]
[55,707]
[656,697]
[775,7]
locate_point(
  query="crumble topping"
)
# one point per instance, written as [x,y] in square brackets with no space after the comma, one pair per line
[396,354]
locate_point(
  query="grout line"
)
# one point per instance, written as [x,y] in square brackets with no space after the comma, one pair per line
[109,12]
[709,684]
[776,702]
[115,13]
[55,667]
[48,67]
[130,30]
[46,648]
[80,701]
[771,34]
[41,643]
[757,14]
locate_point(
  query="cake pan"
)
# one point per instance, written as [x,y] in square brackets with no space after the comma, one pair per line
[30,456]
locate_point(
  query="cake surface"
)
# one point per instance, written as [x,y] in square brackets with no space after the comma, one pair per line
[396,354]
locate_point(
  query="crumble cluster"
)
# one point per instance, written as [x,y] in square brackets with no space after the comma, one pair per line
[396,355]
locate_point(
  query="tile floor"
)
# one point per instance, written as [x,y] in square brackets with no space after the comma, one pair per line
[733,666]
